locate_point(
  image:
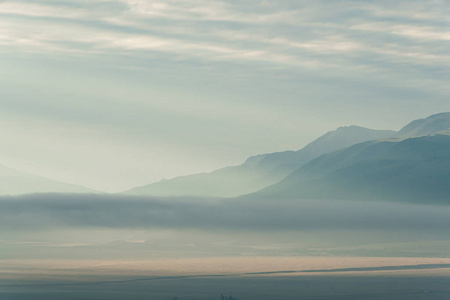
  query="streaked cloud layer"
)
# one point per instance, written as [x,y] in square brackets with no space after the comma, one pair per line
[176,87]
[286,33]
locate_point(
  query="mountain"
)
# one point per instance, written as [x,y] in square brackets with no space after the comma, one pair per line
[259,171]
[331,141]
[431,125]
[13,182]
[407,170]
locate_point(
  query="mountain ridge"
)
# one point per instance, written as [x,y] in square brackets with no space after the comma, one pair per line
[426,126]
[14,182]
[407,170]
[258,171]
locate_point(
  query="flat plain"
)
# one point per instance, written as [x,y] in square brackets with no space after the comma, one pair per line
[251,278]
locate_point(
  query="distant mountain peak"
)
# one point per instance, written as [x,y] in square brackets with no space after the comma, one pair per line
[407,170]
[427,126]
[349,127]
[14,182]
[440,115]
[261,170]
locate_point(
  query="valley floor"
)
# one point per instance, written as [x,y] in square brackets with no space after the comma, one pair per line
[251,278]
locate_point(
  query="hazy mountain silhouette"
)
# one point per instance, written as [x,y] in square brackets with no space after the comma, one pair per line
[331,141]
[15,182]
[410,170]
[259,171]
[349,162]
[431,125]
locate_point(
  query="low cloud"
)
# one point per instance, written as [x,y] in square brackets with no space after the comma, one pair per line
[62,211]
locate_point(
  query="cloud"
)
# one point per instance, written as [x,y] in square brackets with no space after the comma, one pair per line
[290,35]
[232,77]
[346,39]
[62,211]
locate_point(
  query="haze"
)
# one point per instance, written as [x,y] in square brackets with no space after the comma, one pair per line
[224,150]
[116,94]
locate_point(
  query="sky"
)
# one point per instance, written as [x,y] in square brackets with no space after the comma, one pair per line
[112,94]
